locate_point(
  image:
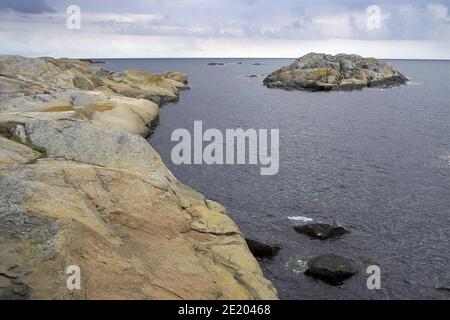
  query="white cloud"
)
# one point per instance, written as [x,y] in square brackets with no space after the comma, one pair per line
[238,28]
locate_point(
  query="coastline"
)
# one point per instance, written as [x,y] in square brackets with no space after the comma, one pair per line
[81,186]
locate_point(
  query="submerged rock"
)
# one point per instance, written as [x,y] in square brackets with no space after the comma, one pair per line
[331,268]
[253,76]
[325,72]
[262,250]
[443,288]
[321,231]
[216,64]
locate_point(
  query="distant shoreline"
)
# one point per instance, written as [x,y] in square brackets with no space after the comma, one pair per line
[212,58]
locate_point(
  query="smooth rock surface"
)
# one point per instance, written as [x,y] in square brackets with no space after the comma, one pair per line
[79,185]
[331,268]
[325,72]
[13,153]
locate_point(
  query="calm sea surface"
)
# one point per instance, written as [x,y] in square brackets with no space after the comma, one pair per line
[376,161]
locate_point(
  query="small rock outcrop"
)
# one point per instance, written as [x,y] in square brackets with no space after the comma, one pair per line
[325,72]
[262,250]
[80,186]
[331,268]
[321,231]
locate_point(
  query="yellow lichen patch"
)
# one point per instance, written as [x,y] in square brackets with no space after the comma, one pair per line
[153,78]
[177,76]
[88,111]
[142,78]
[138,73]
[59,109]
[79,115]
[321,72]
[136,76]
[98,107]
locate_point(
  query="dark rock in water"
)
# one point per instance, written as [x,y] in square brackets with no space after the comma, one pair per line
[93,61]
[257,64]
[321,231]
[215,64]
[443,288]
[331,268]
[325,72]
[262,250]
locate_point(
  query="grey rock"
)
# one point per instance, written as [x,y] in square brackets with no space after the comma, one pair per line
[325,72]
[10,289]
[331,268]
[19,133]
[262,250]
[84,142]
[321,231]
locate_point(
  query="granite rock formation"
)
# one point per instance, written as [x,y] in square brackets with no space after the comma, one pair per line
[80,185]
[325,72]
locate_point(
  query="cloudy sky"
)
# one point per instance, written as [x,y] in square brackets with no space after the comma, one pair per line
[226,28]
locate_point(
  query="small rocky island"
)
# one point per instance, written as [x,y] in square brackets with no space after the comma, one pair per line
[325,72]
[80,186]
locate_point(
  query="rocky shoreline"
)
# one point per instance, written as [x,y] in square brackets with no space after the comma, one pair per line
[325,72]
[81,186]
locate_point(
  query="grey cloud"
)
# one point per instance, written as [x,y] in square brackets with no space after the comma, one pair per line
[407,22]
[26,6]
[253,19]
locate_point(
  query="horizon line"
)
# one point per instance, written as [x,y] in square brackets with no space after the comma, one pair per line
[136,58]
[142,58]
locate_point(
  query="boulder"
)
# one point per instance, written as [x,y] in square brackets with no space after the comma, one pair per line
[331,268]
[262,250]
[325,72]
[321,231]
[19,133]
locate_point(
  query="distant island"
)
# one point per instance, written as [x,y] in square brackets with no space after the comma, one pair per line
[325,72]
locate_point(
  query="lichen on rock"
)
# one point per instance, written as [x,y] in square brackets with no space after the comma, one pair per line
[325,72]
[100,197]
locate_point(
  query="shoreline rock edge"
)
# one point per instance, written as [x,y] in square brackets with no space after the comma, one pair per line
[81,186]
